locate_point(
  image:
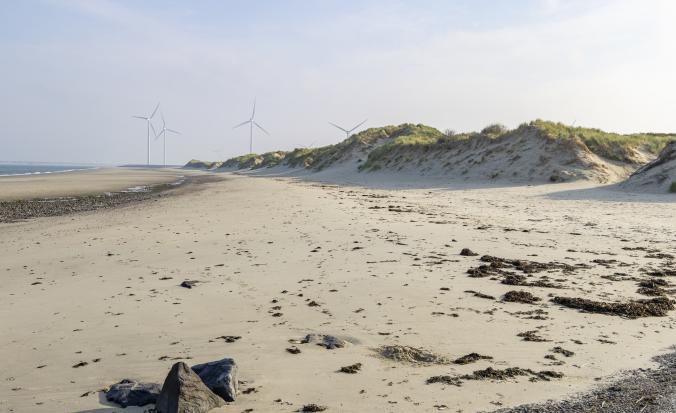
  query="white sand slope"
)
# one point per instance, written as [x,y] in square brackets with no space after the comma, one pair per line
[519,157]
[657,176]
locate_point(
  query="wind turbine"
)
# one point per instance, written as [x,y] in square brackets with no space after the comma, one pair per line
[348,132]
[251,123]
[149,125]
[163,132]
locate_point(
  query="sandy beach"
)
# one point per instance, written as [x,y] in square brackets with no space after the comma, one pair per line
[93,298]
[83,182]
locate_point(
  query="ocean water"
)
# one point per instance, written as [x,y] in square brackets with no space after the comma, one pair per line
[9,169]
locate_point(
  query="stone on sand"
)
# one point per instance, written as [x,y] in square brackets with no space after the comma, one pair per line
[220,376]
[132,393]
[184,392]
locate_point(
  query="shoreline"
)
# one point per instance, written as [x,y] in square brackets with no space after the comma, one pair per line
[84,182]
[51,172]
[19,210]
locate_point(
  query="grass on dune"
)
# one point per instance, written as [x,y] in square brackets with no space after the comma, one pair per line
[609,145]
[381,143]
[320,158]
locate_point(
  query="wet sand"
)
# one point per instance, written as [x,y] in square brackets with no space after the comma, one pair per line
[86,182]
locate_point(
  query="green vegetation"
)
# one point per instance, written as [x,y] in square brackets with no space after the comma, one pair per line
[607,144]
[243,161]
[672,188]
[320,158]
[197,164]
[270,159]
[411,143]
[402,136]
[495,129]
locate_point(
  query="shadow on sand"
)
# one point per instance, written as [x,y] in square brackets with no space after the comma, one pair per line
[610,193]
[113,408]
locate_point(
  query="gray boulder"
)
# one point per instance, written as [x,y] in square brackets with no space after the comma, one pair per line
[220,376]
[184,392]
[325,340]
[132,393]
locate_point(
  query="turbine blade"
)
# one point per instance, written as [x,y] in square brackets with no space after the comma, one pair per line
[241,124]
[333,124]
[260,127]
[254,110]
[140,117]
[173,131]
[163,122]
[153,128]
[155,111]
[364,121]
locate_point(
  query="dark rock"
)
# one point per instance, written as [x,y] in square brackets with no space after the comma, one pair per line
[189,283]
[466,252]
[293,350]
[132,393]
[326,341]
[351,369]
[220,376]
[184,392]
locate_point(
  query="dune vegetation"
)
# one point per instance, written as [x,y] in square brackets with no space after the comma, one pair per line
[413,144]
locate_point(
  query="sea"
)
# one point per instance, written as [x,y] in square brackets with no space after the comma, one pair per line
[10,169]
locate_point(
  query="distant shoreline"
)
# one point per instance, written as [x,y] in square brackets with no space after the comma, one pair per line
[13,211]
[83,182]
[47,172]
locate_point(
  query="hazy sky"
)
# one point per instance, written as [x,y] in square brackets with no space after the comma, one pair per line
[72,72]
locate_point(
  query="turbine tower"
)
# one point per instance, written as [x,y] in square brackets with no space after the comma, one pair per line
[251,123]
[148,126]
[348,132]
[163,132]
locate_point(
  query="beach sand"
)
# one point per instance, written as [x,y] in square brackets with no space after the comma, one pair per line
[279,258]
[83,182]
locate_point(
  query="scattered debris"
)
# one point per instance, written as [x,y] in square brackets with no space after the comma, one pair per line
[480,295]
[520,297]
[227,339]
[531,335]
[351,369]
[497,375]
[655,307]
[563,351]
[313,408]
[324,340]
[471,358]
[410,355]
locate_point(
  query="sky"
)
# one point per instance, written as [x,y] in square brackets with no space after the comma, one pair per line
[74,72]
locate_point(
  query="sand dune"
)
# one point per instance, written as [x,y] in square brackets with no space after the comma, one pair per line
[657,176]
[536,152]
